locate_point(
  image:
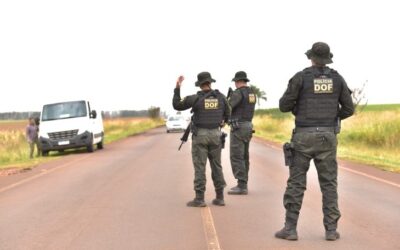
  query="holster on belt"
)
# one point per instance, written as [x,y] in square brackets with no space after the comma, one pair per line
[288,153]
[234,123]
[223,138]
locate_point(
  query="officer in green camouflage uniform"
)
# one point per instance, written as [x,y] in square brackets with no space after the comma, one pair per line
[242,102]
[210,112]
[319,98]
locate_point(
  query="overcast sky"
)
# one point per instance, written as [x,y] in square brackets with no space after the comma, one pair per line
[128,54]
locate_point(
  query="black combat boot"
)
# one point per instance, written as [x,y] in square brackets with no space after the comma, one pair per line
[332,235]
[240,189]
[198,201]
[219,200]
[289,232]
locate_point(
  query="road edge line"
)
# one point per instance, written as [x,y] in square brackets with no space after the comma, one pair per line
[209,229]
[370,176]
[351,170]
[16,184]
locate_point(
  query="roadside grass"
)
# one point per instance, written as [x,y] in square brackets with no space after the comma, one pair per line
[12,124]
[14,149]
[380,107]
[117,129]
[371,136]
[277,130]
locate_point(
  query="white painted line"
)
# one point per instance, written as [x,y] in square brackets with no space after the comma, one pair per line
[43,172]
[209,229]
[352,171]
[370,176]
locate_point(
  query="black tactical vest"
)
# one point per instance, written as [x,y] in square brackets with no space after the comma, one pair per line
[318,101]
[209,111]
[245,110]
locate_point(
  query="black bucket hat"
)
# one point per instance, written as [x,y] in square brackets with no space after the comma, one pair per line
[202,78]
[320,53]
[240,75]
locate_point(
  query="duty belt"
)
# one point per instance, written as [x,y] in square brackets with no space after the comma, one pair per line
[235,124]
[314,129]
[245,123]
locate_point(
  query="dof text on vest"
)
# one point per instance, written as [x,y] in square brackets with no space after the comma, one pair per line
[318,102]
[245,110]
[208,112]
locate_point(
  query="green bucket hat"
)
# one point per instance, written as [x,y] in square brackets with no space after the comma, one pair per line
[320,53]
[202,78]
[240,75]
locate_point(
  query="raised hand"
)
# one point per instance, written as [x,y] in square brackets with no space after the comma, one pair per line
[179,81]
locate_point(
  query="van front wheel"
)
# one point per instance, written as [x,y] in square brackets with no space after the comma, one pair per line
[100,144]
[90,148]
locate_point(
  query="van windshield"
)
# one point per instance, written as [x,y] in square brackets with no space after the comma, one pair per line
[64,110]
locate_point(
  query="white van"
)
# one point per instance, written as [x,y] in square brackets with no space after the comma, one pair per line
[66,125]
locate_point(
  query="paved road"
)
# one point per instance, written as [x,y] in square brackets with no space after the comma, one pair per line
[132,195]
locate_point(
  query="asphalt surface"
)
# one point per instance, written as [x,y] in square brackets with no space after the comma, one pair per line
[132,195]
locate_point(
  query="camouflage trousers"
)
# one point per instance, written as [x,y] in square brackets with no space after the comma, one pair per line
[207,145]
[239,151]
[321,147]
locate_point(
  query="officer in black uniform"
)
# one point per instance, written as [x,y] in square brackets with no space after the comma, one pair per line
[319,98]
[242,101]
[210,112]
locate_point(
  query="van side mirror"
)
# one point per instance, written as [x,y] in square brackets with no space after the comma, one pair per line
[93,114]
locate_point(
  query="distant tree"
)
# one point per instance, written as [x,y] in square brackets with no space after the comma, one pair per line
[154,112]
[18,115]
[260,94]
[359,98]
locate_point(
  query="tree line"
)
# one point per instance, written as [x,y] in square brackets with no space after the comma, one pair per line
[18,115]
[152,112]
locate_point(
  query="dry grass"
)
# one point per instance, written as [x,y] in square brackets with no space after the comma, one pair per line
[270,128]
[7,125]
[116,129]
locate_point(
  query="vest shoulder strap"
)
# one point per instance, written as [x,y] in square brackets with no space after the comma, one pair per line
[212,92]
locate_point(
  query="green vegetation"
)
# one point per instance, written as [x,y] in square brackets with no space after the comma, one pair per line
[382,107]
[14,150]
[273,113]
[372,136]
[117,129]
[260,94]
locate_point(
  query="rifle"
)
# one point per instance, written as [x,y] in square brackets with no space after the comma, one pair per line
[185,135]
[230,91]
[338,126]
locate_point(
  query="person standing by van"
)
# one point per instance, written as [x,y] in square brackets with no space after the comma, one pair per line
[39,148]
[32,137]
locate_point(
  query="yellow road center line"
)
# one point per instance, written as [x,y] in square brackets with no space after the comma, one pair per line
[209,229]
[44,172]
